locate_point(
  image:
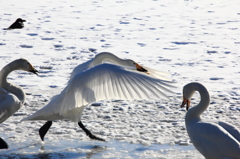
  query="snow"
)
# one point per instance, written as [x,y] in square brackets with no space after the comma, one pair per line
[192,40]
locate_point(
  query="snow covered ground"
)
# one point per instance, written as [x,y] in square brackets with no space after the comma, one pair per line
[192,40]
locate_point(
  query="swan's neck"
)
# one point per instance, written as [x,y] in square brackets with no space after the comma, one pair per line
[8,86]
[106,57]
[196,111]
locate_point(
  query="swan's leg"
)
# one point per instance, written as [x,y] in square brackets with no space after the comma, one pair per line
[44,129]
[89,133]
[3,144]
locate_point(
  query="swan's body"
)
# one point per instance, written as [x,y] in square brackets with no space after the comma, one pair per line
[12,97]
[106,57]
[212,138]
[104,81]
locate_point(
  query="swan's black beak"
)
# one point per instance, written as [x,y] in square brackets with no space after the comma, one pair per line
[33,70]
[140,68]
[185,101]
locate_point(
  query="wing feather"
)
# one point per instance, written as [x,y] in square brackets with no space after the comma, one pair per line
[142,92]
[153,89]
[131,88]
[123,87]
[107,81]
[118,85]
[113,85]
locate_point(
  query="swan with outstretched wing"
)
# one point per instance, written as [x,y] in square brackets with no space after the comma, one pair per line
[104,81]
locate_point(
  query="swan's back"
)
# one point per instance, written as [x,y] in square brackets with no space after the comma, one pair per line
[212,140]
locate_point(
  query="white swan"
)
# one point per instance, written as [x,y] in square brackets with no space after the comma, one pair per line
[104,81]
[12,97]
[212,138]
[106,57]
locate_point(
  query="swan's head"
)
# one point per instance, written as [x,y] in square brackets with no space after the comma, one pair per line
[188,91]
[140,68]
[23,64]
[135,66]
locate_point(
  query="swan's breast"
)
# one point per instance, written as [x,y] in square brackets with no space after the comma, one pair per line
[9,104]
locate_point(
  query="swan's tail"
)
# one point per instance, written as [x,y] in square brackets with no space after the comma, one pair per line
[48,112]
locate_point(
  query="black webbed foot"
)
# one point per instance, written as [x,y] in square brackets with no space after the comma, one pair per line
[89,133]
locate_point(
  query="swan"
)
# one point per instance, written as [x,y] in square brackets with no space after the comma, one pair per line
[11,97]
[107,57]
[104,81]
[212,138]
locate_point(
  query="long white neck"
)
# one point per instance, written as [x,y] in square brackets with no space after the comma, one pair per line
[106,56]
[16,90]
[99,59]
[196,111]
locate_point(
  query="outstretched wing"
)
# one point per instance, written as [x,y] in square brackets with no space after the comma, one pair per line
[108,81]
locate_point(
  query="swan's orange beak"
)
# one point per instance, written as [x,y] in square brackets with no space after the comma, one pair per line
[141,69]
[32,69]
[185,101]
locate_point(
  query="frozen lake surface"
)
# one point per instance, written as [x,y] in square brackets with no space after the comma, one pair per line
[191,40]
[112,149]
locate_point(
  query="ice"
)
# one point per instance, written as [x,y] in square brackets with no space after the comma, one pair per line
[192,40]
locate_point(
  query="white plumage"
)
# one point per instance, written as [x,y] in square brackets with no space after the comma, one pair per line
[104,81]
[100,79]
[11,97]
[9,104]
[212,138]
[106,57]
